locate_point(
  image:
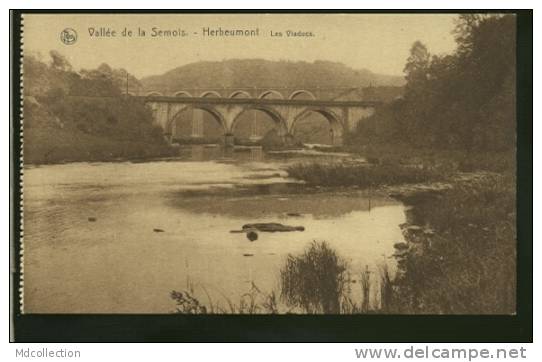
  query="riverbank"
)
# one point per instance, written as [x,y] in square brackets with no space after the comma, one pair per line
[460,251]
[44,145]
[449,160]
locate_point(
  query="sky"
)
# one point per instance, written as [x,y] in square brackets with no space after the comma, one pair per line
[378,42]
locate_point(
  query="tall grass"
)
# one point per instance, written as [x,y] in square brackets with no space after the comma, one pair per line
[315,280]
[365,289]
[253,301]
[387,293]
[363,175]
[454,159]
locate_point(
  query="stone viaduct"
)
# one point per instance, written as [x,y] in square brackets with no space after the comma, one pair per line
[342,115]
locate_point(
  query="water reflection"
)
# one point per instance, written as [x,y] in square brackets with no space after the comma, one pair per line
[275,200]
[215,152]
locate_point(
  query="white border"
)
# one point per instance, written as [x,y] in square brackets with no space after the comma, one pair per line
[251,352]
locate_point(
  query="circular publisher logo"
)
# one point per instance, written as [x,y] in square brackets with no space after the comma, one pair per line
[68,36]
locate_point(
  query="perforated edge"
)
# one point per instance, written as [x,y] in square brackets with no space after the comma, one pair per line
[21,177]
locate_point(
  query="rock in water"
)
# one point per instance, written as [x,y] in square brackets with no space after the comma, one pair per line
[252,235]
[272,227]
[158,230]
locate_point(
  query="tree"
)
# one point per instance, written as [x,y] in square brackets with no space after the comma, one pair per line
[87,101]
[416,68]
[464,100]
[59,62]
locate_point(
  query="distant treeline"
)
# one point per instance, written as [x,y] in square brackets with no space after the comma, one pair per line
[81,116]
[466,100]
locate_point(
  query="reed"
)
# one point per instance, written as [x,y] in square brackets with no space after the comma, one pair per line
[314,280]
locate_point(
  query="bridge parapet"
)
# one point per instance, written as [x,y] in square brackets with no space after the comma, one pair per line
[216,100]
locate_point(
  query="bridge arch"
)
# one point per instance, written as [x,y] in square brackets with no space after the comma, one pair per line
[301,91]
[238,93]
[335,122]
[269,92]
[331,116]
[154,93]
[217,116]
[182,94]
[270,111]
[210,93]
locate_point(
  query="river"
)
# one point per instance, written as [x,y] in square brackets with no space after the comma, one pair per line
[118,237]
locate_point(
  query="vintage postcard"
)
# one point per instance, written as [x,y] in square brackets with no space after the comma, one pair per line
[268,164]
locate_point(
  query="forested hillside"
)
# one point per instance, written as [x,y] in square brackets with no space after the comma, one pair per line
[264,73]
[76,116]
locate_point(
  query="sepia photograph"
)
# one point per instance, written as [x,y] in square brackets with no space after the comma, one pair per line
[268,164]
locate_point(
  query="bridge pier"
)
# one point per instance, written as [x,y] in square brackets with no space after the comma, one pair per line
[254,134]
[197,124]
[336,139]
[288,140]
[229,140]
